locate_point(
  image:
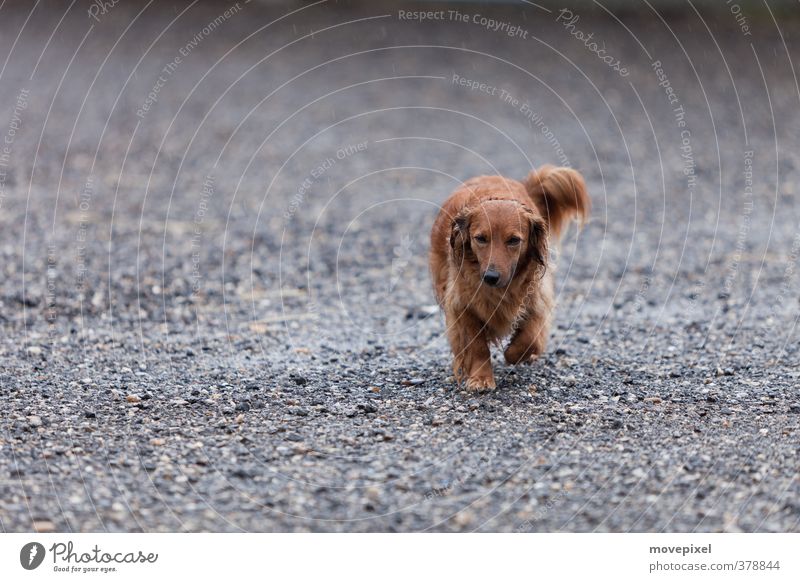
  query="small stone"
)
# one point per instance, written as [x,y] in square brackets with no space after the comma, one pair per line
[463,518]
[413,382]
[422,311]
[90,414]
[241,473]
[158,442]
[44,526]
[35,421]
[133,398]
[35,350]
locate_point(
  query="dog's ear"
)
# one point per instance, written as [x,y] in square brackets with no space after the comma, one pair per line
[537,241]
[459,234]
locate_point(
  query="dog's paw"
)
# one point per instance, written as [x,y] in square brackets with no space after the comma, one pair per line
[516,355]
[513,356]
[521,359]
[480,384]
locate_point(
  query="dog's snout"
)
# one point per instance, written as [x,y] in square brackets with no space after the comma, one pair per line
[491,277]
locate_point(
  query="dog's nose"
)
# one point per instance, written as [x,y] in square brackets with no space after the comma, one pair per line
[491,277]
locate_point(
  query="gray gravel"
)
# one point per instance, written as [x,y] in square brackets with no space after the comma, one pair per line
[216,315]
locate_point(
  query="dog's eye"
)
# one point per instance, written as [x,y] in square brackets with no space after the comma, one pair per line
[513,241]
[481,239]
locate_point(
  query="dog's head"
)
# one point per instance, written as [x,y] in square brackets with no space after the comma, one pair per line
[503,237]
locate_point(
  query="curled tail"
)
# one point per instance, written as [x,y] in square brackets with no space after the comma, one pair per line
[560,194]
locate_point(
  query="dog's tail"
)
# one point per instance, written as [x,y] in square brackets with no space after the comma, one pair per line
[560,194]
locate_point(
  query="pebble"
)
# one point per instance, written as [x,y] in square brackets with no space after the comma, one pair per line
[413,382]
[463,518]
[44,526]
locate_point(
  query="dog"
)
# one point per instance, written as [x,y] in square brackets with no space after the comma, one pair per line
[489,262]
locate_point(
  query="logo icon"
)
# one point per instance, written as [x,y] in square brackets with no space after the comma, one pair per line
[31,555]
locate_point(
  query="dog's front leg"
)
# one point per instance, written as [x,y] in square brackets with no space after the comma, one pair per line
[472,361]
[529,340]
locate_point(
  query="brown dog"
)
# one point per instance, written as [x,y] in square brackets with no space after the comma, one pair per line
[489,262]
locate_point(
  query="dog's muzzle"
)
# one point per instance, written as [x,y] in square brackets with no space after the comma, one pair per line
[491,277]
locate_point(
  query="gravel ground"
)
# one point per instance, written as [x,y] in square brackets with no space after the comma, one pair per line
[215,307]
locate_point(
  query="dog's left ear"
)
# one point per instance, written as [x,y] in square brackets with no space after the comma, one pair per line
[537,241]
[459,234]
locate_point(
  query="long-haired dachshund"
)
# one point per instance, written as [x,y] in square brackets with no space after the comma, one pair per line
[489,262]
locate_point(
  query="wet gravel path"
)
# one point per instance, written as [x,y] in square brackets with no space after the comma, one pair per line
[214,299]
